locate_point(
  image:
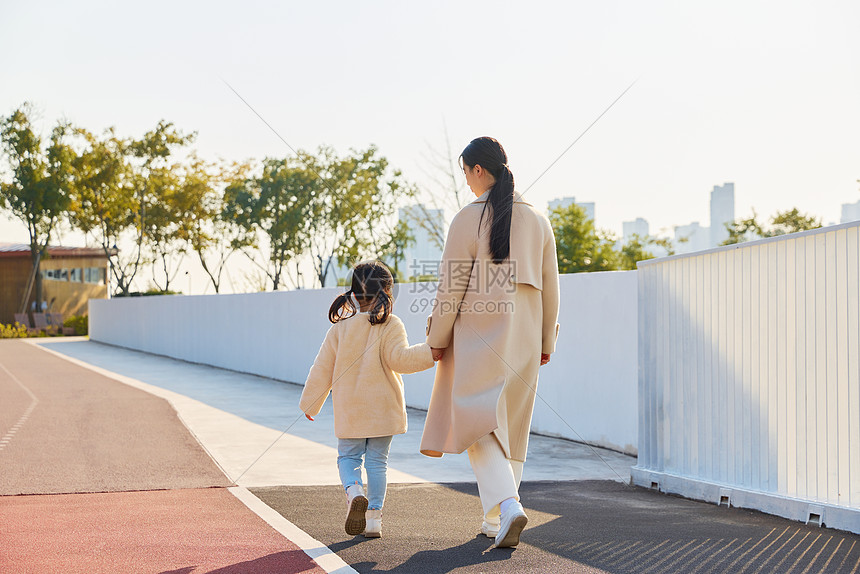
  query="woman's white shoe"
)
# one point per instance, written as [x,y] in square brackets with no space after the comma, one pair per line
[513,522]
[490,530]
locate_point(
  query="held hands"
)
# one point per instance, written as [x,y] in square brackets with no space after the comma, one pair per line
[437,353]
[544,358]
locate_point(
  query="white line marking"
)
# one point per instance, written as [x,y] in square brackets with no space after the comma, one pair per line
[322,555]
[7,438]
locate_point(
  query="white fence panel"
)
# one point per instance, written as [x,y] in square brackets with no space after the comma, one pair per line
[749,375]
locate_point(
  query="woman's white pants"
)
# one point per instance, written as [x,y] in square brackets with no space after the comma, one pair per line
[498,477]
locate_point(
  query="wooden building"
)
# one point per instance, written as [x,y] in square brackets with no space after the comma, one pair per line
[71,276]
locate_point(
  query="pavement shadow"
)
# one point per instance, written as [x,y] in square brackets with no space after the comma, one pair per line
[294,561]
[474,552]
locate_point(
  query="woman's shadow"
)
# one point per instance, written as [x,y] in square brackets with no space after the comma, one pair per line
[479,550]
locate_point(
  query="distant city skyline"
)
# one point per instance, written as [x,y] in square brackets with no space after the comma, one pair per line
[850,212]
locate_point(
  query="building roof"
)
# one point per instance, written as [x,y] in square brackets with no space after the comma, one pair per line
[55,251]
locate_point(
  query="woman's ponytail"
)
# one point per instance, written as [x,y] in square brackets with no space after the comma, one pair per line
[501,199]
[489,154]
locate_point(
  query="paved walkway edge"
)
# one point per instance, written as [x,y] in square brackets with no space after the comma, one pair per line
[322,555]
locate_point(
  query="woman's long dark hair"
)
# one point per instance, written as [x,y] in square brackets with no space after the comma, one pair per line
[490,155]
[370,280]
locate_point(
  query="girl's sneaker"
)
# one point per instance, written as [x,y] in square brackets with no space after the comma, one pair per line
[373,529]
[356,505]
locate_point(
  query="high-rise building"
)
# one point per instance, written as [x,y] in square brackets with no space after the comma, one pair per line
[692,237]
[631,228]
[566,201]
[428,228]
[850,212]
[722,212]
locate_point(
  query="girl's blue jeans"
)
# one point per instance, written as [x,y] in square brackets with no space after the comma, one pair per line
[350,452]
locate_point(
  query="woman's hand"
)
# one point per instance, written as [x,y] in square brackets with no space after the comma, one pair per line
[309,417]
[437,353]
[544,358]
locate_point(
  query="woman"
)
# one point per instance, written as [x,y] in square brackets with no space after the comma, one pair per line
[493,324]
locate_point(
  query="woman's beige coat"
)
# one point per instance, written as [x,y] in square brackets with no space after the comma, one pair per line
[494,321]
[360,364]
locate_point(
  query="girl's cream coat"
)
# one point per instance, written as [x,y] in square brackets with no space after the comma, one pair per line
[359,363]
[494,321]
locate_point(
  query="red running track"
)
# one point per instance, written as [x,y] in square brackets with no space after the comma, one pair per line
[169,531]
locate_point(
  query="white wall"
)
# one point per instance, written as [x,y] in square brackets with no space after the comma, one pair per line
[750,375]
[590,381]
[589,387]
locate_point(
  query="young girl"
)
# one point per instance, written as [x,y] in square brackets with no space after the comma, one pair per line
[359,362]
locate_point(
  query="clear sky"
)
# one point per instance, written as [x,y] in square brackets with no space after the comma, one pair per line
[763,94]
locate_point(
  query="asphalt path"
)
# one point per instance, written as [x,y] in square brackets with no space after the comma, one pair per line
[88,433]
[97,476]
[587,526]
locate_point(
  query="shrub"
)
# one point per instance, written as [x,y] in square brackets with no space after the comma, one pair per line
[81,324]
[15,331]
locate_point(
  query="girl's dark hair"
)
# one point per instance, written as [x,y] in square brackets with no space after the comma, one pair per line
[490,155]
[370,280]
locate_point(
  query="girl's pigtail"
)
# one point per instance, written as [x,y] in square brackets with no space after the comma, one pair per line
[335,312]
[382,306]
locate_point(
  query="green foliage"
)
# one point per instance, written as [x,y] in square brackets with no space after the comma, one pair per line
[783,223]
[278,205]
[358,197]
[393,249]
[207,227]
[38,191]
[80,323]
[579,246]
[636,249]
[15,331]
[125,189]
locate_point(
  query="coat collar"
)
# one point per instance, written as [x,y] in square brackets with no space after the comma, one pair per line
[518,198]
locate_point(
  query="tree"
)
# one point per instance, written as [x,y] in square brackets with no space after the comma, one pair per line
[354,211]
[636,249]
[156,185]
[103,196]
[208,230]
[118,193]
[579,246]
[784,222]
[277,206]
[792,221]
[37,192]
[166,215]
[393,250]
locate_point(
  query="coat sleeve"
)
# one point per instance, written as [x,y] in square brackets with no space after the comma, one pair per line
[550,294]
[455,270]
[319,381]
[399,356]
